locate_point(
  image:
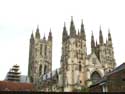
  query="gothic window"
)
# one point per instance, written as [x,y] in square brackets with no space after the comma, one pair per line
[45,69]
[41,49]
[45,50]
[95,77]
[80,67]
[40,70]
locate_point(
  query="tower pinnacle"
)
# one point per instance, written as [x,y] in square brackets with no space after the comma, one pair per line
[44,38]
[37,32]
[32,38]
[83,36]
[109,39]
[109,35]
[65,35]
[100,37]
[72,28]
[50,35]
[92,43]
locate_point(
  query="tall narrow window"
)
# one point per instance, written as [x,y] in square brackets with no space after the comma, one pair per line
[40,70]
[45,69]
[41,46]
[80,67]
[45,50]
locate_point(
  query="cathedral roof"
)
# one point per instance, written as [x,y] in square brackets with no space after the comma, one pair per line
[117,69]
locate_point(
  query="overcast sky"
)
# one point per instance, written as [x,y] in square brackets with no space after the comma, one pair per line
[18,18]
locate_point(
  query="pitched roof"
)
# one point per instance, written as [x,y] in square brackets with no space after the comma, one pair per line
[15,86]
[117,69]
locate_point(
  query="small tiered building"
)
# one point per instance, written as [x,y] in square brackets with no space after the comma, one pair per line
[78,69]
[13,74]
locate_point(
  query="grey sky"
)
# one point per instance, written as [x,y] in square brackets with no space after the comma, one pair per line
[18,18]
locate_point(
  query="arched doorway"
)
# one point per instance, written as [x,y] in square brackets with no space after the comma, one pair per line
[95,77]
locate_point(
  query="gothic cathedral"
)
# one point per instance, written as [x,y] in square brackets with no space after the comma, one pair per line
[77,69]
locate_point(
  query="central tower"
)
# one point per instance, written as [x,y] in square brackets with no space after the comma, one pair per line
[73,57]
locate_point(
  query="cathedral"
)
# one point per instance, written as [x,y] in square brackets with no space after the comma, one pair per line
[77,68]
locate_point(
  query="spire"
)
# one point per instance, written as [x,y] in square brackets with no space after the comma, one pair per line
[65,35]
[109,39]
[50,35]
[37,32]
[72,28]
[92,43]
[100,37]
[44,38]
[109,36]
[83,36]
[32,38]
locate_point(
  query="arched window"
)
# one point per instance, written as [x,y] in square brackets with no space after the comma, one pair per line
[95,77]
[45,69]
[40,70]
[41,47]
[80,67]
[45,51]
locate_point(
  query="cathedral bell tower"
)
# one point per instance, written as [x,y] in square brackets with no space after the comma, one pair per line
[40,56]
[73,57]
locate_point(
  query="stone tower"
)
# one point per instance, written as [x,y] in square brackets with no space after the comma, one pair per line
[73,57]
[40,56]
[79,69]
[105,53]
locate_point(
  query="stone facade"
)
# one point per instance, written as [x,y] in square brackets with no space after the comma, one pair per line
[77,68]
[40,56]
